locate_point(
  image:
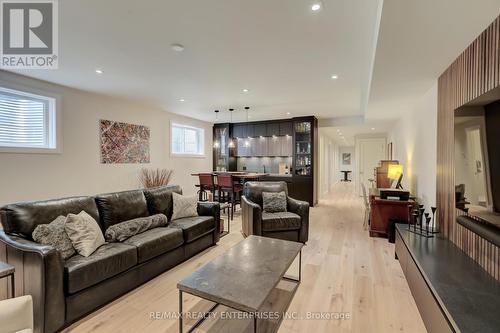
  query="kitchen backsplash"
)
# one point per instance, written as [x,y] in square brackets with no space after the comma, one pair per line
[257,164]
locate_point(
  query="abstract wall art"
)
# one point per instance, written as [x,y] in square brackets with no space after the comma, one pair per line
[123,143]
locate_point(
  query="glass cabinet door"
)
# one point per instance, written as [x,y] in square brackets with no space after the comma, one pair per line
[303,148]
[221,149]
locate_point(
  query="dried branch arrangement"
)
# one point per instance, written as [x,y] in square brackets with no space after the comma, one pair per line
[154,177]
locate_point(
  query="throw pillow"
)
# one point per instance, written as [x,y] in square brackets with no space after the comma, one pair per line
[121,231]
[54,234]
[184,206]
[84,232]
[274,202]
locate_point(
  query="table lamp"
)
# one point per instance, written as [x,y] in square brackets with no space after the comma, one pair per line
[395,172]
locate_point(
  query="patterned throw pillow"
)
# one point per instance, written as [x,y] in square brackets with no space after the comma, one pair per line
[54,234]
[274,202]
[84,232]
[121,231]
[184,206]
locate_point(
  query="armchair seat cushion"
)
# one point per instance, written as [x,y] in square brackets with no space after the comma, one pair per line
[280,221]
[155,242]
[194,227]
[108,260]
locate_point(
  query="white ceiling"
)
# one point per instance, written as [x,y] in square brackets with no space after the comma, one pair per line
[281,51]
[344,134]
[418,40]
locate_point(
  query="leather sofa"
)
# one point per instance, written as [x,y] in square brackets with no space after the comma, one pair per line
[291,225]
[65,290]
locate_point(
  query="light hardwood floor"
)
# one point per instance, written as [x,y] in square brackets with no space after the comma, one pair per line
[344,270]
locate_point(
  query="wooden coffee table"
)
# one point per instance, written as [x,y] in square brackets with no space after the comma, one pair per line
[245,278]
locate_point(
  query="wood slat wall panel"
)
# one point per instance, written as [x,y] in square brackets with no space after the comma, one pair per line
[475,72]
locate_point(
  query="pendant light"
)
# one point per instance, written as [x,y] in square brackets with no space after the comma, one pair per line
[247,140]
[216,142]
[231,141]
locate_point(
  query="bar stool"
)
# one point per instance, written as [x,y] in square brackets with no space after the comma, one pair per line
[226,184]
[207,183]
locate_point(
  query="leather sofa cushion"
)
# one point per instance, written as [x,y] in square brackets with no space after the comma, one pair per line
[253,190]
[155,242]
[159,199]
[121,206]
[194,227]
[22,218]
[280,221]
[107,261]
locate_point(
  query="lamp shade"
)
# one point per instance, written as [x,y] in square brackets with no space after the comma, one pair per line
[395,171]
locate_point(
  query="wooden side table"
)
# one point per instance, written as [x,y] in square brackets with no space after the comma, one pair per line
[6,271]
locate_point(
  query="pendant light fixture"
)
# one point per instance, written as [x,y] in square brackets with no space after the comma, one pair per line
[216,142]
[247,140]
[231,141]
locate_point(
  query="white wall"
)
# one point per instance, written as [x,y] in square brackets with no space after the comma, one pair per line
[328,163]
[414,139]
[77,170]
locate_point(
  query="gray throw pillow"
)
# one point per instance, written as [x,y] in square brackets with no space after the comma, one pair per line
[184,206]
[54,234]
[121,231]
[84,232]
[274,202]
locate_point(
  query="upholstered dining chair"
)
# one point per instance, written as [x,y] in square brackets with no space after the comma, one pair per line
[207,183]
[366,202]
[293,224]
[227,184]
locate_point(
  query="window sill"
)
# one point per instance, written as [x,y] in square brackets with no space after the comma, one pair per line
[187,155]
[19,150]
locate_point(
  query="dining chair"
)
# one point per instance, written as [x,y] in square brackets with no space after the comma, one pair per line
[366,202]
[226,184]
[207,183]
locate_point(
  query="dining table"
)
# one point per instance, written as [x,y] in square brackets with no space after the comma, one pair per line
[240,175]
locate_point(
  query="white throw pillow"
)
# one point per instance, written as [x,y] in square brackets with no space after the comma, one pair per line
[84,232]
[184,206]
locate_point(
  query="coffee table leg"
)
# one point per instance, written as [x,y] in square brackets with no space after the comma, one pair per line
[300,264]
[13,285]
[180,311]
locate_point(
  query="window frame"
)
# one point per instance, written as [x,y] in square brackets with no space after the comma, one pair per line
[201,145]
[52,119]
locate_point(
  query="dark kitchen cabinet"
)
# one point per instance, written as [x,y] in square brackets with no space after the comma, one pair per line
[305,156]
[259,130]
[240,130]
[286,128]
[273,129]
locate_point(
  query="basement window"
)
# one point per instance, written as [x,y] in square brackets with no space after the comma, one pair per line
[187,140]
[27,121]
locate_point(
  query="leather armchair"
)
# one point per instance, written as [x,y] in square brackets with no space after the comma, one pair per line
[45,265]
[290,225]
[16,315]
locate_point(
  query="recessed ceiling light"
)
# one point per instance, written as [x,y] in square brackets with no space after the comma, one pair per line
[246,90]
[335,77]
[99,71]
[316,6]
[288,113]
[373,128]
[182,100]
[177,47]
